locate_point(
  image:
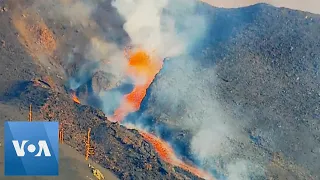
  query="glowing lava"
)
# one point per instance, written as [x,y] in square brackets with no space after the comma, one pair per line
[163,148]
[75,98]
[142,68]
[167,154]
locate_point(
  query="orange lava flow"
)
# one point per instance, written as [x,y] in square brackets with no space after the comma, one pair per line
[167,154]
[75,98]
[163,148]
[142,68]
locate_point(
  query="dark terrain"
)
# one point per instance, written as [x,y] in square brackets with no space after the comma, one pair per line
[122,151]
[267,66]
[266,61]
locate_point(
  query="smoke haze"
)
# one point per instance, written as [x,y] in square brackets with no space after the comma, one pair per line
[184,94]
[312,6]
[186,84]
[171,29]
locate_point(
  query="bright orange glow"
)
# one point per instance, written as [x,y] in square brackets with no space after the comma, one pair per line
[142,68]
[167,154]
[163,148]
[75,98]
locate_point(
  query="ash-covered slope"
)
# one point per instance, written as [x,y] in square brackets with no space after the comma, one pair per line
[272,67]
[15,62]
[34,45]
[251,87]
[247,91]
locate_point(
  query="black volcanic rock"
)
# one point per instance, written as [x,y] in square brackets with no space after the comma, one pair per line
[117,148]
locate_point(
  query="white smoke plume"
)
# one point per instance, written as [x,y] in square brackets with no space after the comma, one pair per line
[112,58]
[238,171]
[93,44]
[186,97]
[169,28]
[151,30]
[187,88]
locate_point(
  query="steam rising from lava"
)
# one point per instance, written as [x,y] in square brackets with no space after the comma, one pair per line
[185,95]
[157,29]
[152,25]
[142,69]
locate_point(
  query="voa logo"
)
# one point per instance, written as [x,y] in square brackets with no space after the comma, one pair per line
[42,148]
[31,148]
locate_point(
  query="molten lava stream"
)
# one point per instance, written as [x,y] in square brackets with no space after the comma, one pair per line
[142,69]
[75,98]
[167,154]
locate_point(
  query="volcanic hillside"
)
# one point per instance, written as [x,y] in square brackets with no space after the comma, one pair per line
[123,151]
[31,73]
[261,64]
[243,102]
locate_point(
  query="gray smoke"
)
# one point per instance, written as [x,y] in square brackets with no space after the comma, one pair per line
[185,95]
